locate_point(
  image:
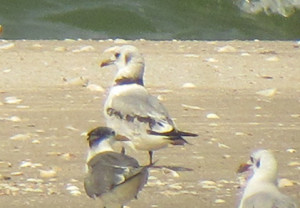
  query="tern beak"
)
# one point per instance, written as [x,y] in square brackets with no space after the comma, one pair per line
[121,138]
[244,167]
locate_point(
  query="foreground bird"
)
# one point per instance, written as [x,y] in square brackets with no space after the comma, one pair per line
[113,177]
[131,110]
[261,190]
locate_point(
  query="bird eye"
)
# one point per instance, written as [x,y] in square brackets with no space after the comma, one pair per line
[252,160]
[257,163]
[117,55]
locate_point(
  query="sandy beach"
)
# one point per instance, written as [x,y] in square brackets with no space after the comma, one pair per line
[237,95]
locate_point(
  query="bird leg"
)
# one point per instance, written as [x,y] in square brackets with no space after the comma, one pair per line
[150,157]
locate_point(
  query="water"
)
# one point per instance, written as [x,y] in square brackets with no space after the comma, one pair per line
[148,19]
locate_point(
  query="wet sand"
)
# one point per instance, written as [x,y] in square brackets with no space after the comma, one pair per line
[240,96]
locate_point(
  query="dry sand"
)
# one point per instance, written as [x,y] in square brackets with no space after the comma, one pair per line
[42,128]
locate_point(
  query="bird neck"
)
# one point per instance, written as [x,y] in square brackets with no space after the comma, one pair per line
[132,72]
[267,172]
[104,146]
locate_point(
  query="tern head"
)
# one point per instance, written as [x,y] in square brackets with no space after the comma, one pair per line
[129,61]
[263,164]
[100,134]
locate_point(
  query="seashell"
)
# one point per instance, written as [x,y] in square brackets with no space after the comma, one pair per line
[35,190]
[211,60]
[60,49]
[36,141]
[35,180]
[272,58]
[226,49]
[78,81]
[170,172]
[212,116]
[191,107]
[16,173]
[245,54]
[120,41]
[295,115]
[48,173]
[175,186]
[188,85]
[84,49]
[291,150]
[267,93]
[37,45]
[224,146]
[71,128]
[219,201]
[12,100]
[294,163]
[14,119]
[23,106]
[239,133]
[20,137]
[284,182]
[67,156]
[95,88]
[7,46]
[191,55]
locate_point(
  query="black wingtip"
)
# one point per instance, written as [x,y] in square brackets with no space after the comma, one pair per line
[188,134]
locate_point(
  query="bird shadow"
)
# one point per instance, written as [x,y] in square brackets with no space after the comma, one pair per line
[174,168]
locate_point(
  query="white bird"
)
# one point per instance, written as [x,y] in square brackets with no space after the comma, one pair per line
[261,190]
[131,110]
[113,177]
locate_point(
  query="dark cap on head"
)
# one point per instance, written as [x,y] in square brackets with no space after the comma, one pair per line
[99,134]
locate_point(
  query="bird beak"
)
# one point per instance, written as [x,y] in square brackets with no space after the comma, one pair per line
[108,56]
[121,138]
[107,60]
[244,167]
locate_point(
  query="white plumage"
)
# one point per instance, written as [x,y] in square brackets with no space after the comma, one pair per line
[131,110]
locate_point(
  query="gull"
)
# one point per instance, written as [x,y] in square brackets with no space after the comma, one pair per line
[131,110]
[113,177]
[261,190]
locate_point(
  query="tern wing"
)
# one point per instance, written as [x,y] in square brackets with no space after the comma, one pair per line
[108,170]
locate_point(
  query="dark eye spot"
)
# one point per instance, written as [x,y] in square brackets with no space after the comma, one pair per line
[252,160]
[117,55]
[257,163]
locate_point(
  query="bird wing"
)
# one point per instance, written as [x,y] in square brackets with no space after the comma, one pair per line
[135,104]
[268,200]
[107,171]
